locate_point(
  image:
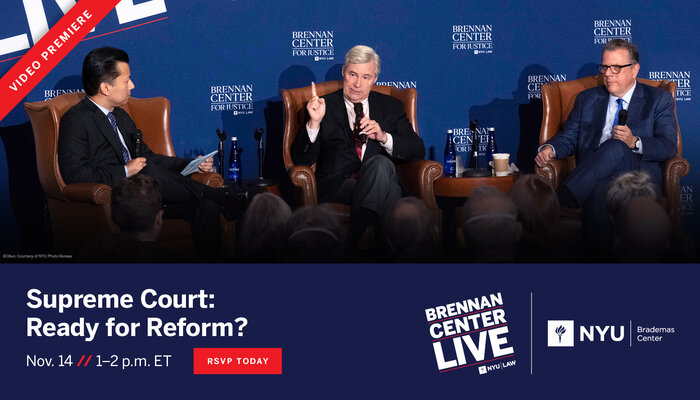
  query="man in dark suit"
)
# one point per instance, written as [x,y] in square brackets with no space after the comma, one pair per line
[605,149]
[96,144]
[354,135]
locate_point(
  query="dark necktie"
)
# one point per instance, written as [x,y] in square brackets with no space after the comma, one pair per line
[359,114]
[617,114]
[113,122]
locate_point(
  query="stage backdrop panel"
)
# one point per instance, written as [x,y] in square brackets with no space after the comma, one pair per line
[222,64]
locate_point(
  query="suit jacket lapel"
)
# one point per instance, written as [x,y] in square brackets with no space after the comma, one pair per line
[636,103]
[105,128]
[340,116]
[601,110]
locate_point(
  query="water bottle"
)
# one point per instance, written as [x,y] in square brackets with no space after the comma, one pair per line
[234,163]
[491,145]
[450,156]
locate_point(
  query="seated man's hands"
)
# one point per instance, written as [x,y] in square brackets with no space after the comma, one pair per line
[316,108]
[206,165]
[624,133]
[373,130]
[135,165]
[544,156]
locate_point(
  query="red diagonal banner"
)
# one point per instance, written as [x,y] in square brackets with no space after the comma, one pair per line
[50,50]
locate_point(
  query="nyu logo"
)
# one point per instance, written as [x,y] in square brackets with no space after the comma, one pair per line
[605,30]
[35,12]
[236,98]
[561,333]
[476,38]
[682,79]
[316,44]
[534,84]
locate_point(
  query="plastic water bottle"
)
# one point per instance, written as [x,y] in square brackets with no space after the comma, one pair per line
[450,156]
[491,147]
[234,163]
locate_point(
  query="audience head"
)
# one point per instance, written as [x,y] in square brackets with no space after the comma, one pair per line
[410,227]
[644,231]
[489,225]
[538,207]
[137,207]
[626,186]
[315,235]
[264,227]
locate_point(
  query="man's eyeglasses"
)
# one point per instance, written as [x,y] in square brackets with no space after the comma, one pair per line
[615,69]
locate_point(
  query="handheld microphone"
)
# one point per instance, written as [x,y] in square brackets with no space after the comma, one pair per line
[622,117]
[138,143]
[359,114]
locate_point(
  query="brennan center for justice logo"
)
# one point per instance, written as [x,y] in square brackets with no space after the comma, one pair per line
[687,199]
[534,84]
[682,79]
[315,44]
[399,84]
[51,93]
[235,98]
[605,30]
[473,38]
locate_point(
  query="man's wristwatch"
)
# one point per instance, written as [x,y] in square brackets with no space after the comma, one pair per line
[636,143]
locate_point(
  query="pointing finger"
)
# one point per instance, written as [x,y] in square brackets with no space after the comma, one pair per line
[313,90]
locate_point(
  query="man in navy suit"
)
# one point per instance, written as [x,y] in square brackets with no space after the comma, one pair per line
[96,144]
[605,149]
[354,135]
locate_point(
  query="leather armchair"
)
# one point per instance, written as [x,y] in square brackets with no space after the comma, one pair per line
[558,100]
[81,212]
[418,176]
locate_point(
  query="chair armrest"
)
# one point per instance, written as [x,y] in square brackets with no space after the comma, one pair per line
[419,177]
[211,179]
[674,169]
[552,172]
[93,193]
[303,177]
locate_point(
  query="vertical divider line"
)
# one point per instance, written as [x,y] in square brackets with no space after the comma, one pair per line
[531,355]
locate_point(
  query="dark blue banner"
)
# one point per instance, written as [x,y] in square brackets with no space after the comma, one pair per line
[348,331]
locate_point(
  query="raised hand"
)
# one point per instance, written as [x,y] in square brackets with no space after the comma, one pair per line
[316,108]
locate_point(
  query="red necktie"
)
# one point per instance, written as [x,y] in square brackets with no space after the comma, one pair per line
[359,113]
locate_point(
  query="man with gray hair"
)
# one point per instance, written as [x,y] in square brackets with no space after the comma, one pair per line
[354,135]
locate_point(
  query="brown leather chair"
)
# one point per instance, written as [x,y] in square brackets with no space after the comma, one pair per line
[80,212]
[558,100]
[418,176]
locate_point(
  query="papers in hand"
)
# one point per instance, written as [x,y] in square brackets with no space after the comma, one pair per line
[194,164]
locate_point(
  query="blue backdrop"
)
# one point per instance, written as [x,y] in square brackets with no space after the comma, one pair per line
[222,64]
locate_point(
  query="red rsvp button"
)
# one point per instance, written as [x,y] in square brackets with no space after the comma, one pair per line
[247,361]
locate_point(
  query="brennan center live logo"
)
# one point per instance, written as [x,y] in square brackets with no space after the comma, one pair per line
[235,98]
[471,333]
[315,44]
[605,30]
[475,38]
[682,79]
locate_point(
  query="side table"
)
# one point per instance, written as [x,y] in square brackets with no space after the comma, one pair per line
[451,194]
